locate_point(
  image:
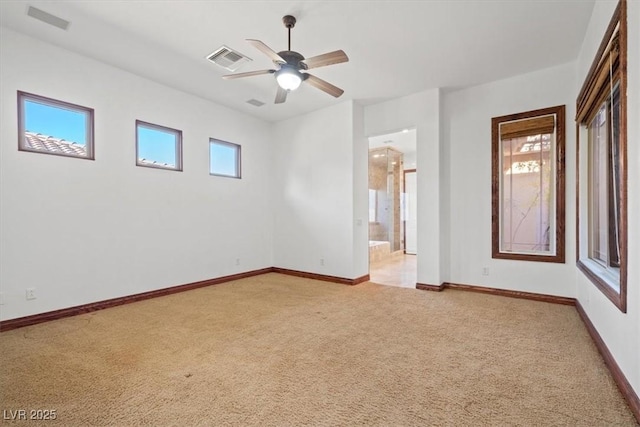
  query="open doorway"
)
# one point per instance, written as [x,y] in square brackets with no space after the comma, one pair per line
[392,209]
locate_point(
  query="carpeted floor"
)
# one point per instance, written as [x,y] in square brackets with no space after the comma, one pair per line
[276,350]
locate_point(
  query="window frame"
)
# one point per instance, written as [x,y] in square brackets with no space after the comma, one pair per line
[238,150]
[153,126]
[496,173]
[592,96]
[52,102]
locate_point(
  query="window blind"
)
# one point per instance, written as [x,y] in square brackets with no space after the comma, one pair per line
[528,127]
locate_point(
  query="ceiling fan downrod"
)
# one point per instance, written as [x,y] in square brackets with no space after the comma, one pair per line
[289,22]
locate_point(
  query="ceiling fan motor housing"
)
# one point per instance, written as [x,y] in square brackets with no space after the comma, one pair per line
[293,59]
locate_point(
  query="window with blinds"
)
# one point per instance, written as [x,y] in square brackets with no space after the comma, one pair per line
[601,115]
[528,185]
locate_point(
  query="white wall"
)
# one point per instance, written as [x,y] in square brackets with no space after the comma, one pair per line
[420,111]
[81,231]
[360,204]
[445,196]
[467,136]
[313,195]
[620,332]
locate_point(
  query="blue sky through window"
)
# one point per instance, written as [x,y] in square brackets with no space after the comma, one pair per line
[222,159]
[157,145]
[56,122]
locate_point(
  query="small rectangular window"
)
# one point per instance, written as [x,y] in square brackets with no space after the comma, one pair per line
[158,146]
[528,185]
[50,126]
[224,158]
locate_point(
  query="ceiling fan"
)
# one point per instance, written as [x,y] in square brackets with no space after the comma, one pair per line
[290,66]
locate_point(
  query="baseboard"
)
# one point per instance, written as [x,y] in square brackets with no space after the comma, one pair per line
[513,294]
[625,388]
[322,277]
[361,279]
[426,287]
[19,322]
[495,291]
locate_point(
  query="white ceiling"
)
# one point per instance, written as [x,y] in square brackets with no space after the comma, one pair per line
[395,47]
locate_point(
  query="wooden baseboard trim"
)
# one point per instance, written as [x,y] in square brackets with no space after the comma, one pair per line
[427,287]
[495,291]
[322,277]
[625,388]
[513,294]
[361,279]
[20,322]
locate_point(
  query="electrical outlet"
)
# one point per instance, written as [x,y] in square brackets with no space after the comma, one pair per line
[31,293]
[237,261]
[321,261]
[485,271]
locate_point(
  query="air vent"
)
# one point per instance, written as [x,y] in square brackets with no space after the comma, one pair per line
[255,103]
[228,58]
[47,18]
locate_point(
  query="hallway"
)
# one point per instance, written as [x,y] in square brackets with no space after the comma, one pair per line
[400,271]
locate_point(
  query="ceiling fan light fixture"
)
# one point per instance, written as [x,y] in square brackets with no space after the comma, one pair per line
[288,78]
[289,65]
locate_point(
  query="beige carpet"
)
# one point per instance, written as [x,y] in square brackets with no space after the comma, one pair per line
[275,350]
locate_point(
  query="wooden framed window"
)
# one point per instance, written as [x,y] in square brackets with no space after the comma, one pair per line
[528,185]
[601,121]
[50,126]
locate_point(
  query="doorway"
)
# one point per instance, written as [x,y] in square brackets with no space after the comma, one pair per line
[392,209]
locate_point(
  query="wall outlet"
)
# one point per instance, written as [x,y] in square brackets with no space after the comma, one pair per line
[485,271]
[322,261]
[31,293]
[237,261]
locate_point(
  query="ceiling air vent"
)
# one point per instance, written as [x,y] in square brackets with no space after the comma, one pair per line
[47,18]
[228,58]
[255,103]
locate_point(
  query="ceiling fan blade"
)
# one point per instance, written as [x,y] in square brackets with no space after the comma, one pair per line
[266,50]
[335,57]
[281,95]
[323,85]
[247,74]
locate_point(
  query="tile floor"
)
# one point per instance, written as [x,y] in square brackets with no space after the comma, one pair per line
[400,270]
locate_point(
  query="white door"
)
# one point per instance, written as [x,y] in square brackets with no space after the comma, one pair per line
[411,213]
